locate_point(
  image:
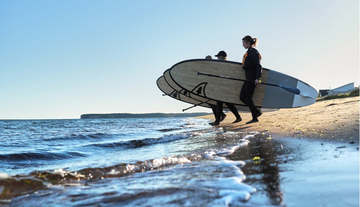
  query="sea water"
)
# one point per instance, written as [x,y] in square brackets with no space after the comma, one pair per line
[124,161]
[146,162]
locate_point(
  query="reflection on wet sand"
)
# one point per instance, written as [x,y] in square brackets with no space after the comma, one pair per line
[263,173]
[288,166]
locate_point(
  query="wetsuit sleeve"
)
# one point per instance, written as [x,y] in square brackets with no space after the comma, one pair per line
[258,71]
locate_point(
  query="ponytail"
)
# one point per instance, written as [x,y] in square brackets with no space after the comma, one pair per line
[256,41]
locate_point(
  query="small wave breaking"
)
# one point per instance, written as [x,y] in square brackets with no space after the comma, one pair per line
[76,136]
[168,129]
[142,142]
[39,156]
[22,184]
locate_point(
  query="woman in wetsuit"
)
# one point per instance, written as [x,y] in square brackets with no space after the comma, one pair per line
[252,67]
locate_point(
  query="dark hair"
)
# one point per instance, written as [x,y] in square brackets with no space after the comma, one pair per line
[251,40]
[221,53]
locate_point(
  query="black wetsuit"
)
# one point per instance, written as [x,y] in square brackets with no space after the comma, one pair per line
[219,115]
[219,110]
[252,69]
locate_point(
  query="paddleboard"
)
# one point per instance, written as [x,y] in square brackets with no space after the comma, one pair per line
[222,81]
[175,91]
[167,90]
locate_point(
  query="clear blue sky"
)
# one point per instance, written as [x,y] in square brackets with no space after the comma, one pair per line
[59,59]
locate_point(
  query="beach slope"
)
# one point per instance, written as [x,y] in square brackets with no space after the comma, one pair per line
[334,119]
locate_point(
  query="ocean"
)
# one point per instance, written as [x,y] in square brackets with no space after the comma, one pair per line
[142,162]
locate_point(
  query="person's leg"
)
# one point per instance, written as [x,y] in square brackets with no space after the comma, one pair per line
[250,93]
[222,117]
[243,93]
[246,95]
[254,109]
[213,108]
[233,109]
[218,113]
[219,110]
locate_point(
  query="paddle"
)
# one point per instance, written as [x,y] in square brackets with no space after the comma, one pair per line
[195,105]
[291,90]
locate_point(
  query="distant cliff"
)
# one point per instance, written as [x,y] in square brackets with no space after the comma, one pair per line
[148,115]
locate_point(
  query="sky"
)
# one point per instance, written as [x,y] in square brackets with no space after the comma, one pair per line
[61,59]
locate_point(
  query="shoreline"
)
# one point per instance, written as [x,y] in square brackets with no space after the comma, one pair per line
[336,119]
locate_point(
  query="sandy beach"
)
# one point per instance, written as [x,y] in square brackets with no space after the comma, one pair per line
[333,119]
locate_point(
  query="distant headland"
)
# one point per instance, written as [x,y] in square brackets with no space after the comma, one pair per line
[147,115]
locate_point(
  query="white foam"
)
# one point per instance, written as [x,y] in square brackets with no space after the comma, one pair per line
[197,133]
[156,163]
[236,170]
[130,167]
[230,197]
[249,136]
[234,183]
[228,151]
[244,143]
[61,172]
[232,191]
[113,172]
[210,154]
[73,184]
[239,163]
[230,133]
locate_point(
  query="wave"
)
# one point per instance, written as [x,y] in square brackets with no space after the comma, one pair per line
[37,180]
[43,179]
[39,156]
[82,137]
[168,129]
[141,142]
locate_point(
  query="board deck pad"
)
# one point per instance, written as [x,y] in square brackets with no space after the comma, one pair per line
[217,84]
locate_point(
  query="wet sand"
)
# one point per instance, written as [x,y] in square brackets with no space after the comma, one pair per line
[301,172]
[336,119]
[294,170]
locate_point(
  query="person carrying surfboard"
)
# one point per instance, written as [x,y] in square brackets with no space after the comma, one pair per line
[252,67]
[218,110]
[213,107]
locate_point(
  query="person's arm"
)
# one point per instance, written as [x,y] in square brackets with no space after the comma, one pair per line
[258,72]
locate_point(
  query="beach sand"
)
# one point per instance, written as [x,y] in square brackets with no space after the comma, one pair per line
[336,119]
[315,146]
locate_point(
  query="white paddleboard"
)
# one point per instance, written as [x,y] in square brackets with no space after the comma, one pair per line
[222,81]
[179,95]
[195,98]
